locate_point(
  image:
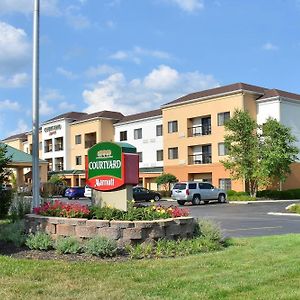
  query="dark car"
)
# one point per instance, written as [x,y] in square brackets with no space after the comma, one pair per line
[142,194]
[74,192]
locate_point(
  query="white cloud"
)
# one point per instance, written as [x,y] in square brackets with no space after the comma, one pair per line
[269,47]
[9,105]
[189,5]
[75,19]
[66,73]
[100,70]
[137,53]
[14,81]
[48,7]
[22,126]
[47,96]
[66,106]
[160,86]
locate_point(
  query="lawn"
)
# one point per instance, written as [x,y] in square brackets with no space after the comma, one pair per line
[253,268]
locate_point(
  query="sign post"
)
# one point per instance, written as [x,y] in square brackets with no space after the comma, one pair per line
[111,171]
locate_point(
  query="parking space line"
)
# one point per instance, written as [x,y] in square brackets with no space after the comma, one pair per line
[253,228]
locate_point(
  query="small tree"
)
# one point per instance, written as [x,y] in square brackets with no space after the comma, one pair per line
[165,180]
[258,154]
[4,161]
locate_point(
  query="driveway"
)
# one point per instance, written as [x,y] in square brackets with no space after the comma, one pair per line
[238,220]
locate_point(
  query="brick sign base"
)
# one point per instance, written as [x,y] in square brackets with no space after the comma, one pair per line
[123,232]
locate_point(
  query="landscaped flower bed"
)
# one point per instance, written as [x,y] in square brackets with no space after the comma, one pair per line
[137,225]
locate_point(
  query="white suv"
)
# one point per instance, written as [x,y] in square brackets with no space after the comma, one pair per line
[195,192]
[87,192]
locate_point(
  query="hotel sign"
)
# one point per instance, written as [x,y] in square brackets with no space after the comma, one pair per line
[105,166]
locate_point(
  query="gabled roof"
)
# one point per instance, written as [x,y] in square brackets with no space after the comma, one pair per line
[19,136]
[73,115]
[235,87]
[141,116]
[102,114]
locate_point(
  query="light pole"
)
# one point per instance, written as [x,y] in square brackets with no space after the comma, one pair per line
[35,107]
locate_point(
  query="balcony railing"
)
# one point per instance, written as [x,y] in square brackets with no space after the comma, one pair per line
[59,167]
[196,159]
[199,130]
[89,144]
[48,148]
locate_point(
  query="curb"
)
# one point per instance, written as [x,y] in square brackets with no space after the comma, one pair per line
[283,214]
[263,201]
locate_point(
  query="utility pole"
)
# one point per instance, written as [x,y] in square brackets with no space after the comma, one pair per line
[35,107]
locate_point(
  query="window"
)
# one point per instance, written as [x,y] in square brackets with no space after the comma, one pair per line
[173,153]
[138,133]
[159,155]
[222,150]
[78,160]
[40,146]
[225,183]
[223,117]
[159,130]
[78,139]
[172,126]
[192,186]
[123,135]
[205,186]
[140,154]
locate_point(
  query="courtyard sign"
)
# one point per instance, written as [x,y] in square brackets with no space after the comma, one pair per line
[111,165]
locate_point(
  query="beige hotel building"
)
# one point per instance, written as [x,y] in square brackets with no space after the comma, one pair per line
[186,135]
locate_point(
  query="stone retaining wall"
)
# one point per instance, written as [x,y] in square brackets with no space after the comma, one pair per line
[124,232]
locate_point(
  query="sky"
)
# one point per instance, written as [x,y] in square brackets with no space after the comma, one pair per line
[135,55]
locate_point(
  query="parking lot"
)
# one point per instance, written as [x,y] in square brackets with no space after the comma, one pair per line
[238,220]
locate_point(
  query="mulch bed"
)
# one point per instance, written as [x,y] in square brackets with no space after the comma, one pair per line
[8,249]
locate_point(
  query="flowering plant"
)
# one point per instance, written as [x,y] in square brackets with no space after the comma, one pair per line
[60,209]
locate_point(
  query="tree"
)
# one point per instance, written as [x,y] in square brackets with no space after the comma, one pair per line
[258,154]
[4,161]
[166,179]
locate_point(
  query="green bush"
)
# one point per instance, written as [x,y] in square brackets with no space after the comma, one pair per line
[13,233]
[234,193]
[68,245]
[6,197]
[282,195]
[241,198]
[208,229]
[101,246]
[39,241]
[20,206]
[295,208]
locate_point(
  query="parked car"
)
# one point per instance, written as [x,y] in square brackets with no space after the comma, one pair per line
[74,192]
[87,192]
[197,192]
[142,194]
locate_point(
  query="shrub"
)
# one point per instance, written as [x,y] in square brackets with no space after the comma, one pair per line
[60,209]
[6,197]
[208,229]
[294,208]
[241,198]
[101,246]
[13,233]
[234,193]
[39,241]
[284,195]
[20,207]
[68,245]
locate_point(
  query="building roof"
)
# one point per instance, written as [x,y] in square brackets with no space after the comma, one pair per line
[278,93]
[73,115]
[19,136]
[19,157]
[218,91]
[102,114]
[140,116]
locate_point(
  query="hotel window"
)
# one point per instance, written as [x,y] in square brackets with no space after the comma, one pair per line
[223,117]
[225,184]
[123,135]
[78,139]
[159,155]
[138,133]
[222,150]
[40,146]
[140,154]
[159,130]
[78,160]
[172,126]
[173,153]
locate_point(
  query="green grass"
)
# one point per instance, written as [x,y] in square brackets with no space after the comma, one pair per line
[253,268]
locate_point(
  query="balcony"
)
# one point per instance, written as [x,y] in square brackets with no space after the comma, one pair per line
[59,147]
[196,159]
[89,140]
[199,130]
[48,148]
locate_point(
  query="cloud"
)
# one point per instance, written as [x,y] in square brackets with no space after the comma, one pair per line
[66,73]
[137,53]
[75,19]
[160,86]
[22,126]
[9,105]
[48,7]
[100,70]
[66,106]
[15,81]
[189,5]
[47,96]
[270,47]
